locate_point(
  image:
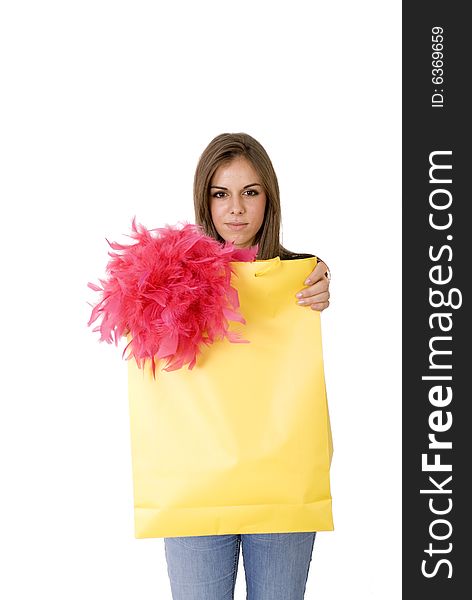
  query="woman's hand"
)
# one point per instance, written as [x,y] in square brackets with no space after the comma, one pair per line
[316,296]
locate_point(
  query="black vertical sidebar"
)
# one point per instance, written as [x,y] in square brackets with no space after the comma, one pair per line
[437,328]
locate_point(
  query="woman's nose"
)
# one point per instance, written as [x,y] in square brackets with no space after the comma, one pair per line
[237,205]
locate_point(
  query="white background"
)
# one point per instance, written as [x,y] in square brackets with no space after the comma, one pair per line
[105,110]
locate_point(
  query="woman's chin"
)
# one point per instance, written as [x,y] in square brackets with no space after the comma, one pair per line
[241,244]
[238,241]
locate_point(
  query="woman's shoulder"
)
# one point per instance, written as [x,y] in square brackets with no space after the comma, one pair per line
[295,255]
[289,255]
[286,254]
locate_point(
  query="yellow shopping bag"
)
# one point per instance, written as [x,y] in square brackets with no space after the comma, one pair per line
[242,442]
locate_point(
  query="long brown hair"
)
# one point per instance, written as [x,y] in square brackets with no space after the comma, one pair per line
[222,149]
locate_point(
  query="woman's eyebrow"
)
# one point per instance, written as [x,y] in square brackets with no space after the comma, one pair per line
[224,188]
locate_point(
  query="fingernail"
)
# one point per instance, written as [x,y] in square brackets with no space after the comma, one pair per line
[307,282]
[299,295]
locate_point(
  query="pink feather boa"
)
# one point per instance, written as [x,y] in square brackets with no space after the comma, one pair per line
[172,292]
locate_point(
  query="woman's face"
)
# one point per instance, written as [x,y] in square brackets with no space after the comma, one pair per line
[237,195]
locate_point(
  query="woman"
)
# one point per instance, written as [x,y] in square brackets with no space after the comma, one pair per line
[236,198]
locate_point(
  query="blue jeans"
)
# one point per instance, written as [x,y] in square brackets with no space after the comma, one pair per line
[205,567]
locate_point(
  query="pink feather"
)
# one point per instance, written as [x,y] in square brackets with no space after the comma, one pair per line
[171,291]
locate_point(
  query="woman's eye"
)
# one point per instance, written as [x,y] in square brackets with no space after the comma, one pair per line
[248,192]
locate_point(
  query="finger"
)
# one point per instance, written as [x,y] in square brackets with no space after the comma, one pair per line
[312,277]
[318,288]
[317,298]
[319,273]
[320,306]
[315,275]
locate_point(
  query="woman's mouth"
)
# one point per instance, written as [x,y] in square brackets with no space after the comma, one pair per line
[236,226]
